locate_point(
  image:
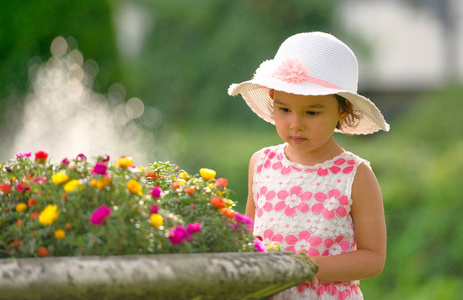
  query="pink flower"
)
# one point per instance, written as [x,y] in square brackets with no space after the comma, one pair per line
[304,241]
[293,200]
[259,246]
[81,157]
[331,204]
[292,70]
[193,228]
[337,246]
[65,162]
[154,209]
[18,155]
[99,168]
[244,220]
[100,215]
[178,234]
[156,192]
[22,187]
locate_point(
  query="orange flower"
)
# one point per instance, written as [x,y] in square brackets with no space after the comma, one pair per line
[190,191]
[229,213]
[60,234]
[218,202]
[68,226]
[32,202]
[42,252]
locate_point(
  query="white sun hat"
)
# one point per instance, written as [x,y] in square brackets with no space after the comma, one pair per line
[311,64]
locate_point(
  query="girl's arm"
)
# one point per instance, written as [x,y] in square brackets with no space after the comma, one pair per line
[370,231]
[250,205]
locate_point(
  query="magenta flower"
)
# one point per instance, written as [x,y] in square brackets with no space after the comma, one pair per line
[154,209]
[244,220]
[22,187]
[193,228]
[156,192]
[259,246]
[18,155]
[178,234]
[99,168]
[100,215]
[65,162]
[82,157]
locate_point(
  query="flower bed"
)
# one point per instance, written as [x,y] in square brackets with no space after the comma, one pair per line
[80,208]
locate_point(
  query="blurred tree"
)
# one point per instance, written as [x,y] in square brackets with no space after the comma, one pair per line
[198,49]
[28,27]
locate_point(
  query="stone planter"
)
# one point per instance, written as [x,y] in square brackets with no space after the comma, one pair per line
[172,276]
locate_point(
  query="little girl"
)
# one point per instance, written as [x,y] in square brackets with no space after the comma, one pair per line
[309,194]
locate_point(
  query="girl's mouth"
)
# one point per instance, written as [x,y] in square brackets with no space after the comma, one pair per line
[298,139]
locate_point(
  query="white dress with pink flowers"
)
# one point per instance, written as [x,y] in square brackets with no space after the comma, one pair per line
[307,207]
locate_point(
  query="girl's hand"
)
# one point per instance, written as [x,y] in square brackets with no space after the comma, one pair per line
[314,282]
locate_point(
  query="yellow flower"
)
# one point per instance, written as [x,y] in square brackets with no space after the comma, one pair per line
[93,182]
[101,183]
[207,174]
[49,215]
[156,220]
[143,169]
[60,234]
[124,162]
[71,186]
[134,187]
[184,175]
[229,202]
[60,177]
[20,207]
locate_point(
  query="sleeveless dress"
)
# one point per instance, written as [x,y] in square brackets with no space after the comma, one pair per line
[307,207]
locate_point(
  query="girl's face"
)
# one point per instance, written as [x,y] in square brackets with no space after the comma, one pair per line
[306,123]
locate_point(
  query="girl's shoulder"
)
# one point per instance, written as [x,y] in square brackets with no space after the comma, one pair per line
[270,151]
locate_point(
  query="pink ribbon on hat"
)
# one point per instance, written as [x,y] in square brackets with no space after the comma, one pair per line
[292,70]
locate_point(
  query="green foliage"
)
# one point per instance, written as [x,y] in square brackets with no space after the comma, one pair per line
[418,164]
[196,51]
[137,218]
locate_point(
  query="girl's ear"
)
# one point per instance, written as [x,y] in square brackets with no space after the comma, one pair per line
[344,113]
[271,93]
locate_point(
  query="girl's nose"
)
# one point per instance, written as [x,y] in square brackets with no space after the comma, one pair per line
[295,123]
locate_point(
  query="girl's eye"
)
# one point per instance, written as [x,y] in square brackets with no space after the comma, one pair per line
[283,109]
[312,113]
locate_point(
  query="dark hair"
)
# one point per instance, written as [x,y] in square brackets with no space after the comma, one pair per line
[352,119]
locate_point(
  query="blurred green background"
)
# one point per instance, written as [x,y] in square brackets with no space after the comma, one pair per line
[179,57]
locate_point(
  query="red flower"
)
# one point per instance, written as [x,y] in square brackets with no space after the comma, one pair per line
[5,188]
[221,182]
[41,156]
[35,215]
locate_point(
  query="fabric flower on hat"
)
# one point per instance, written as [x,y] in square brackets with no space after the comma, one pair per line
[292,70]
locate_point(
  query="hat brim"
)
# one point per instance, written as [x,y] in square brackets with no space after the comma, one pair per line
[256,94]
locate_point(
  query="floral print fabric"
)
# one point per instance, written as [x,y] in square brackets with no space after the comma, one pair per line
[307,207]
